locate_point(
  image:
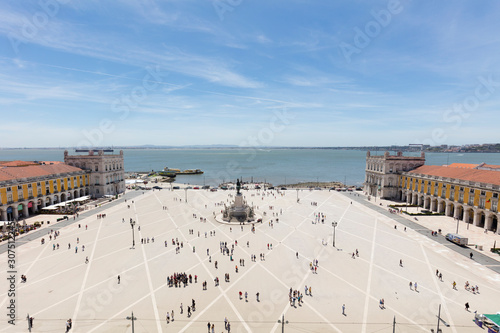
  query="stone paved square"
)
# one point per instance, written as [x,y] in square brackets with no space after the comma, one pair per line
[61,285]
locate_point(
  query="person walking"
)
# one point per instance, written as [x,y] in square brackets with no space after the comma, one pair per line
[209,326]
[69,325]
[467,306]
[343,309]
[118,279]
[416,287]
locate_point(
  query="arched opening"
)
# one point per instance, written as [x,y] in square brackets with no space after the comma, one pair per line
[481,219]
[82,192]
[494,223]
[20,211]
[39,204]
[75,194]
[10,213]
[441,207]
[56,199]
[427,203]
[451,211]
[31,208]
[63,197]
[48,201]
[434,205]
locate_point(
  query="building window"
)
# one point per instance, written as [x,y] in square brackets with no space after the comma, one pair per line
[30,192]
[481,202]
[471,199]
[9,189]
[29,185]
[483,192]
[9,197]
[494,206]
[495,195]
[96,168]
[96,180]
[435,190]
[461,188]
[19,187]
[461,197]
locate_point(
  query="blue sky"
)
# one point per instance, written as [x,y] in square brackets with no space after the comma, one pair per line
[240,72]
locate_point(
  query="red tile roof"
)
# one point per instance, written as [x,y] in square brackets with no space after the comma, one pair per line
[38,170]
[467,174]
[463,165]
[491,166]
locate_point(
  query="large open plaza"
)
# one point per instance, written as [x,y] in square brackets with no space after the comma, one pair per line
[118,279]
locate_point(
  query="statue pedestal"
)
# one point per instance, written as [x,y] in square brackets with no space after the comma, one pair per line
[238,200]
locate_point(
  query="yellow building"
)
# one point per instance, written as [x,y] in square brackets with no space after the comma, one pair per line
[467,192]
[27,187]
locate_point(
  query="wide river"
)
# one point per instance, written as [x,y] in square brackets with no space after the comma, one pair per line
[276,166]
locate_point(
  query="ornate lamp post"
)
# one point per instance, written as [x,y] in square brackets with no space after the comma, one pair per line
[132,223]
[334,225]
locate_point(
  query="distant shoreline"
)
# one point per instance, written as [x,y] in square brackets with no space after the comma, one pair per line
[380,149]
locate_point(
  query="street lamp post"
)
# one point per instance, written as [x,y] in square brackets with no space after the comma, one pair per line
[186,196]
[334,225]
[297,195]
[132,223]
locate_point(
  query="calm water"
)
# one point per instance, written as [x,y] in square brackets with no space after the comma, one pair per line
[277,166]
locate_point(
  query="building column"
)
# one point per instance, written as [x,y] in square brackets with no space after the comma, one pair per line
[488,220]
[419,201]
[476,217]
[3,213]
[466,215]
[26,212]
[456,214]
[15,213]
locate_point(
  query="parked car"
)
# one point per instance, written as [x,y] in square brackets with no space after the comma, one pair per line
[176,188]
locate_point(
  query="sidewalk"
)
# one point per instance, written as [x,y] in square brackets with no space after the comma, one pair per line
[32,235]
[426,224]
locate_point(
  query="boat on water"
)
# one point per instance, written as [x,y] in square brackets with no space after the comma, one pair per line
[183,172]
[190,172]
